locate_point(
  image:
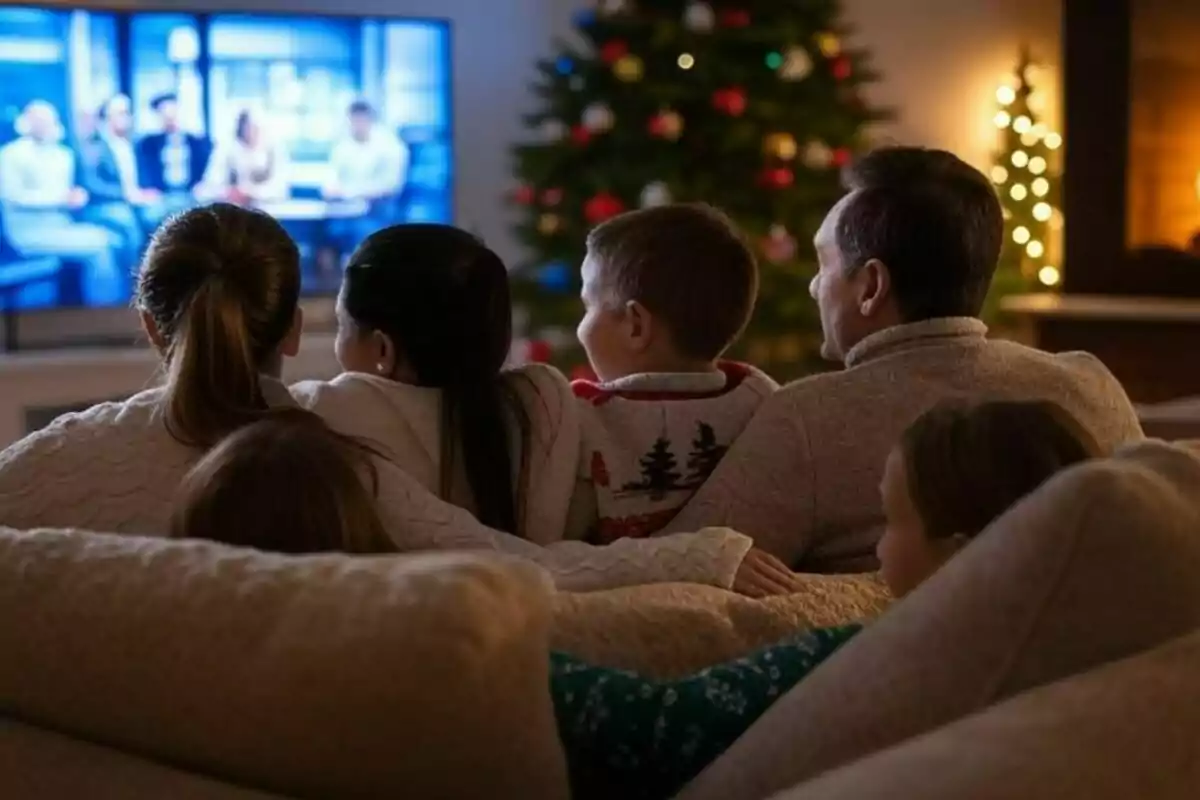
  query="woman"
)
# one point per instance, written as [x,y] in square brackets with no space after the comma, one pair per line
[218,294]
[248,171]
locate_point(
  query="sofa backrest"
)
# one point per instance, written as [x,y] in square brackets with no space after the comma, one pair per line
[1101,563]
[330,676]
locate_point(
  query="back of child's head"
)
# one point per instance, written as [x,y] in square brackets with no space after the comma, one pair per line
[441,297]
[286,483]
[688,265]
[966,464]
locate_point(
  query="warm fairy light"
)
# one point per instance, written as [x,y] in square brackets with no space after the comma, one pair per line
[686,61]
[1002,119]
[1005,95]
[1021,234]
[1000,175]
[1041,187]
[1042,212]
[1029,138]
[1048,275]
[1053,141]
[1020,158]
[1022,124]
[1037,165]
[1035,249]
[1018,191]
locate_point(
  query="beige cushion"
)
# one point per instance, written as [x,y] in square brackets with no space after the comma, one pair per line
[669,630]
[420,676]
[39,765]
[1101,563]
[1127,731]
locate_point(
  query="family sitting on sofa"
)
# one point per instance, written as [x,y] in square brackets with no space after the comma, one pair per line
[674,466]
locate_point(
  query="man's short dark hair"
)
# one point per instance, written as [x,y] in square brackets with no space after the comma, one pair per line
[160,100]
[933,219]
[688,264]
[361,108]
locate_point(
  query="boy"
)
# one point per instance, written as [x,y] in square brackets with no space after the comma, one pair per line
[666,291]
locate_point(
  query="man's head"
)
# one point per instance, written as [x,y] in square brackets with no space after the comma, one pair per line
[39,121]
[116,116]
[665,289]
[362,119]
[167,107]
[917,237]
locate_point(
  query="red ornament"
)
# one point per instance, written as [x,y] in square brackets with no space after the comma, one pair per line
[611,52]
[842,68]
[552,197]
[666,125]
[584,372]
[732,100]
[777,177]
[537,351]
[524,194]
[735,18]
[580,135]
[601,207]
[841,157]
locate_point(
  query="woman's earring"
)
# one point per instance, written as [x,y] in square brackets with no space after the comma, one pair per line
[381,368]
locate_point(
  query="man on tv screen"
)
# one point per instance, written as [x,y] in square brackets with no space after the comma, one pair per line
[171,162]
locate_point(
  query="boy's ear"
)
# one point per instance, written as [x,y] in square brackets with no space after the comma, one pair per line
[639,324]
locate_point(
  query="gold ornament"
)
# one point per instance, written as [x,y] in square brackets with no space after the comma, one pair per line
[780,145]
[797,64]
[548,224]
[668,125]
[829,44]
[629,68]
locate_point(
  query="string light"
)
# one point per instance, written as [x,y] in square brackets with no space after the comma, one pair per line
[1021,234]
[1037,165]
[1000,175]
[1042,212]
[1029,138]
[1022,124]
[1018,191]
[1041,187]
[1005,95]
[1020,158]
[1035,249]
[1053,141]
[1002,119]
[1048,275]
[686,61]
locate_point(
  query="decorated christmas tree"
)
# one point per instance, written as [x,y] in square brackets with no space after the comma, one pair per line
[750,105]
[1026,176]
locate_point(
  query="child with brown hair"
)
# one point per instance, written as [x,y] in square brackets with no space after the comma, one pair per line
[666,291]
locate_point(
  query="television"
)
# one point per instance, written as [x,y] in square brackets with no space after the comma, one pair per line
[110,121]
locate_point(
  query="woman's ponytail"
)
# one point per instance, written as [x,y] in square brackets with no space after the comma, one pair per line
[220,284]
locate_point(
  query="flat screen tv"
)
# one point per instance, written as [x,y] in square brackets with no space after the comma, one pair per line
[112,120]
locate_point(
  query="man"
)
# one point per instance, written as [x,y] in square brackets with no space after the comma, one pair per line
[110,175]
[906,259]
[367,169]
[171,162]
[38,194]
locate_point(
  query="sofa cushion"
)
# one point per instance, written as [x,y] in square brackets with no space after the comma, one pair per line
[668,630]
[331,676]
[1126,730]
[1099,564]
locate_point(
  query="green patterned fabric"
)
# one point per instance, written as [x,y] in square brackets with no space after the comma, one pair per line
[630,737]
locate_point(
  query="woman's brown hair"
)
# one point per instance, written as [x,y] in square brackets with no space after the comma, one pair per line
[966,464]
[286,483]
[221,284]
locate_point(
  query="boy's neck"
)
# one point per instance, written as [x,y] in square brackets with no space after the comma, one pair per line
[670,366]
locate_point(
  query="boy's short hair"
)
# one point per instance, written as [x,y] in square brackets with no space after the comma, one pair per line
[688,264]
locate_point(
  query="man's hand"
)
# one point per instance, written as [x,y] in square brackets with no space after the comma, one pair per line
[763,575]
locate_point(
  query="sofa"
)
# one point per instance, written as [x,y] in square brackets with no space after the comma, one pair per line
[1057,657]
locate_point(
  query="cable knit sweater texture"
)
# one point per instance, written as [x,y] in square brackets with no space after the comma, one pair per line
[115,468]
[803,477]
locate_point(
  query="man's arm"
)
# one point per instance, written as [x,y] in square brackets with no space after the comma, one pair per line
[38,193]
[93,173]
[392,169]
[765,486]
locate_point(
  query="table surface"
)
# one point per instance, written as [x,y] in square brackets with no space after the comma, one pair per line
[1104,307]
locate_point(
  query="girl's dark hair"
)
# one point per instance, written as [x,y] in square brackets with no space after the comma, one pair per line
[221,284]
[968,464]
[286,483]
[442,297]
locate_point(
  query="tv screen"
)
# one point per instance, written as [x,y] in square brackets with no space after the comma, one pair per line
[112,121]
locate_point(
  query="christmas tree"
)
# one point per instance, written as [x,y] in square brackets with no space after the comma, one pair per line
[659,474]
[1026,176]
[705,455]
[750,105]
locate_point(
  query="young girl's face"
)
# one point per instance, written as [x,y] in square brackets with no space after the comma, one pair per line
[907,556]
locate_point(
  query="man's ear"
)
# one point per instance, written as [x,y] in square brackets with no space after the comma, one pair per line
[152,332]
[874,287]
[639,324]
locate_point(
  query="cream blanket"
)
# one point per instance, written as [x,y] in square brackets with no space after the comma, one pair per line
[668,630]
